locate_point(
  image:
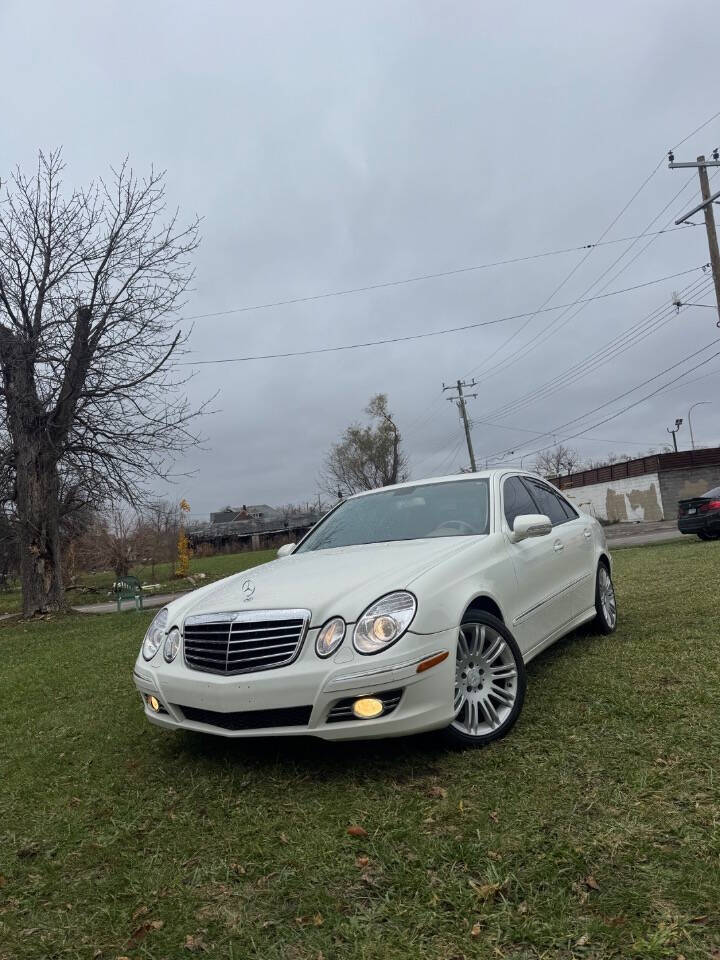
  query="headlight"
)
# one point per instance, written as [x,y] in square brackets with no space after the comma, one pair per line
[384,622]
[330,637]
[155,635]
[172,645]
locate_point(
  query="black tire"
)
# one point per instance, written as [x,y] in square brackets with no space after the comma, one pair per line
[488,695]
[706,535]
[605,613]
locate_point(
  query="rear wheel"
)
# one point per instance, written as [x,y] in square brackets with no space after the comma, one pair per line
[706,535]
[605,603]
[489,681]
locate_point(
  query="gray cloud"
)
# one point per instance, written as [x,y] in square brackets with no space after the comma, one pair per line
[331,145]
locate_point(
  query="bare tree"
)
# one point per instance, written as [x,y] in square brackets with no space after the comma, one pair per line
[158,529]
[366,456]
[89,398]
[557,461]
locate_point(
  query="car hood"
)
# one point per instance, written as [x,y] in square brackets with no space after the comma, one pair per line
[339,582]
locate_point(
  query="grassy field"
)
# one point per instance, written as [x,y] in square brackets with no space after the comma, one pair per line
[593,831]
[97,587]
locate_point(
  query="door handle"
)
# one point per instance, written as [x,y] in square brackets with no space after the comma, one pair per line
[558,545]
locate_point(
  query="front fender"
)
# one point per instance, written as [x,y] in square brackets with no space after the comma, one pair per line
[444,593]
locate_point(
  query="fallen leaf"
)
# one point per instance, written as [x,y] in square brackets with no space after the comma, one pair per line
[703,919]
[357,831]
[494,855]
[522,907]
[476,930]
[238,868]
[362,861]
[584,939]
[140,912]
[591,883]
[137,936]
[494,816]
[437,792]
[194,943]
[315,921]
[283,838]
[3,880]
[486,891]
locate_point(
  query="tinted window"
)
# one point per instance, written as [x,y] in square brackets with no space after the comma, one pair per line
[451,509]
[714,493]
[570,511]
[548,503]
[516,500]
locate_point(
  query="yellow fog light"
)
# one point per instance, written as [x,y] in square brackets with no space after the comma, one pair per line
[154,704]
[367,707]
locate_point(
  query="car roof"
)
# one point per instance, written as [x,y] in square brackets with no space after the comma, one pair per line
[452,478]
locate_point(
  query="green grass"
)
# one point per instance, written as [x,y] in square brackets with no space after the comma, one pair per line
[592,831]
[97,587]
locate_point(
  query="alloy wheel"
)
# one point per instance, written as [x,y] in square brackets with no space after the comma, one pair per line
[486,680]
[607,597]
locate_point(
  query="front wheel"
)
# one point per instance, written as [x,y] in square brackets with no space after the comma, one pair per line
[605,603]
[489,681]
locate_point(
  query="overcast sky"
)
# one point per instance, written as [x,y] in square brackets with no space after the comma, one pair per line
[330,145]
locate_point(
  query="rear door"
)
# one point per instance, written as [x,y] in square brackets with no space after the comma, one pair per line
[573,546]
[540,604]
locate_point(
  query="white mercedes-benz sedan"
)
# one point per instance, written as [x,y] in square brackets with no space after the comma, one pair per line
[409,608]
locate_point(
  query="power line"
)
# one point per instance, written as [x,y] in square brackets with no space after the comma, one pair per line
[416,279]
[555,430]
[430,333]
[619,344]
[425,419]
[543,390]
[524,349]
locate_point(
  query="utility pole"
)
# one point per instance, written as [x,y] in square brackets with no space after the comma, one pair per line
[678,424]
[701,165]
[460,401]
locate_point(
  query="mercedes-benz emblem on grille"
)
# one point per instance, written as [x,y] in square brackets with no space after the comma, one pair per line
[248,589]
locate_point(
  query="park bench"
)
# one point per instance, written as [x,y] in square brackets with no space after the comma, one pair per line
[128,588]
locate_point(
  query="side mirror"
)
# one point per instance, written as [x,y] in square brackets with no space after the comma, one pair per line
[285,550]
[530,525]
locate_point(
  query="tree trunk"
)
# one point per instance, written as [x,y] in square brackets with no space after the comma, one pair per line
[39,530]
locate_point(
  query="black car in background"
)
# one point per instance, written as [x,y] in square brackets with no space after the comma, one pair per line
[701,515]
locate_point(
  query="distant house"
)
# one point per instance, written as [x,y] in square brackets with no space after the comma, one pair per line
[257,511]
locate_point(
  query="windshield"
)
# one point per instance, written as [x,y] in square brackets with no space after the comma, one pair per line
[458,508]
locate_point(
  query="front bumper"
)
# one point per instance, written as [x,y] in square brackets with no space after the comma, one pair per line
[309,682]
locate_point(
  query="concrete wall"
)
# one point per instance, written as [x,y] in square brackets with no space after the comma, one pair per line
[680,484]
[621,500]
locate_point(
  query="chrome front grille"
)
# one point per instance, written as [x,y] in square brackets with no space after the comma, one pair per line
[244,641]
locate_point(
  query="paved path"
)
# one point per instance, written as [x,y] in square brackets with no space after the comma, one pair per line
[154,600]
[641,534]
